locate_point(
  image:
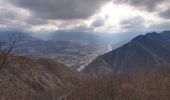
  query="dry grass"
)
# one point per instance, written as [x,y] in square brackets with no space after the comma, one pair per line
[144,85]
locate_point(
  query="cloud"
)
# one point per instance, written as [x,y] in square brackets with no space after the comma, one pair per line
[11,19]
[83,15]
[98,23]
[16,19]
[160,27]
[148,5]
[138,24]
[159,7]
[82,28]
[134,23]
[165,14]
[61,9]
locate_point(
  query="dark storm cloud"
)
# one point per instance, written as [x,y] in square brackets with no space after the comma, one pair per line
[61,9]
[149,5]
[165,14]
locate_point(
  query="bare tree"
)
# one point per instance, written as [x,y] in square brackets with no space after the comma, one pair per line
[8,42]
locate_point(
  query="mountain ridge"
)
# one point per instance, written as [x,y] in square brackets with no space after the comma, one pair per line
[146,51]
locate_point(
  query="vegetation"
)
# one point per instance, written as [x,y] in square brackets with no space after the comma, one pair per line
[8,42]
[145,85]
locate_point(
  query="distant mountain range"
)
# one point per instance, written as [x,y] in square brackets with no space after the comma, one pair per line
[145,51]
[100,41]
[91,40]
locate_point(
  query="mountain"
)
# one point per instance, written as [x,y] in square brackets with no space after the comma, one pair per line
[145,51]
[99,42]
[27,77]
[119,44]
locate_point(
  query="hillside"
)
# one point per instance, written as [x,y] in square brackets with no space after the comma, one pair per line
[27,78]
[145,51]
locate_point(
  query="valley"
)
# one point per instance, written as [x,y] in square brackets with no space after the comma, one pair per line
[45,70]
[84,49]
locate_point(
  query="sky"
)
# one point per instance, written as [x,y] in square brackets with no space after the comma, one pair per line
[110,16]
